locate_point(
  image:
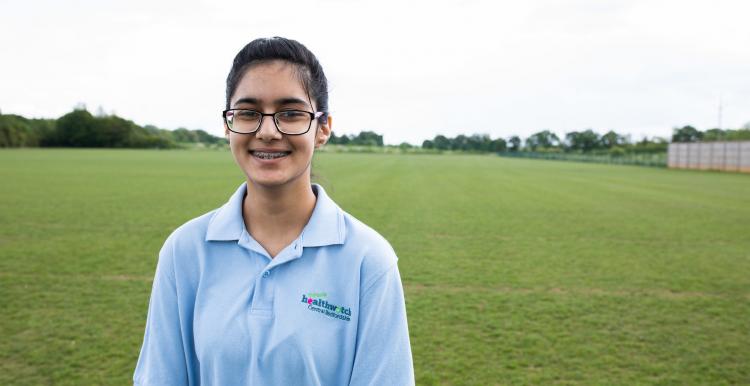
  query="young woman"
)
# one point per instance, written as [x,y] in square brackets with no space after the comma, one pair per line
[279,286]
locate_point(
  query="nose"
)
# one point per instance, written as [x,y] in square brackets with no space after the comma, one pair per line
[267,130]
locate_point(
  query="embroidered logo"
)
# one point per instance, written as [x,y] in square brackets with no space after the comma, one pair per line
[316,302]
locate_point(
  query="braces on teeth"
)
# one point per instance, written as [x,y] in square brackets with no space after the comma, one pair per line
[269,155]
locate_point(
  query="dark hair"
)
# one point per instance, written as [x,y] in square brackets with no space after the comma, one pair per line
[308,68]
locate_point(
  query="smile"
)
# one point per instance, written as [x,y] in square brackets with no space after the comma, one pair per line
[269,155]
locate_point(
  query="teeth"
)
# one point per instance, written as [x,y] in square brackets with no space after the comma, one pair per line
[265,155]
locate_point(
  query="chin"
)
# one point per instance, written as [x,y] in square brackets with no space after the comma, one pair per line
[269,181]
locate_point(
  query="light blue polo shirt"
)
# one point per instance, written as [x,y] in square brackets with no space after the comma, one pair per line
[327,310]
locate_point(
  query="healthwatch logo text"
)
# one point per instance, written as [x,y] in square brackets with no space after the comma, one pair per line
[320,305]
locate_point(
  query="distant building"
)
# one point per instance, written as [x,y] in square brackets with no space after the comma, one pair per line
[726,156]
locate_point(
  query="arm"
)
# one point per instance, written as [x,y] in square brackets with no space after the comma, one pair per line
[162,357]
[383,353]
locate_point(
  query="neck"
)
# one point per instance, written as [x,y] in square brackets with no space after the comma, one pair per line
[275,216]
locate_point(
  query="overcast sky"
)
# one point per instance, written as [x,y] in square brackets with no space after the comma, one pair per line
[408,70]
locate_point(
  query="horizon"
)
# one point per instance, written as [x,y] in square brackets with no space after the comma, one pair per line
[562,135]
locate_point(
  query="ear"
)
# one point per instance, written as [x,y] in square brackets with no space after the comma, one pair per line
[323,132]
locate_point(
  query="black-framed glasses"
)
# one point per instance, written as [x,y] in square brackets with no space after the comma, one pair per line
[289,122]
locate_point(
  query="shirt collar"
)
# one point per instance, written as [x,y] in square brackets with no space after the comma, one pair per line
[325,227]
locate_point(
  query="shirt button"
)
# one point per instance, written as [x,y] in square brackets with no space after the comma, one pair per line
[266,274]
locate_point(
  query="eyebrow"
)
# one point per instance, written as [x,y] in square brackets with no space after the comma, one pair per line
[278,102]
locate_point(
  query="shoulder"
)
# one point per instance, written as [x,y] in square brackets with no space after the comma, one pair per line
[179,255]
[378,256]
[181,247]
[192,231]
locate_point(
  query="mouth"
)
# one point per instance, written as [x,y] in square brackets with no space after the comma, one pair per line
[269,155]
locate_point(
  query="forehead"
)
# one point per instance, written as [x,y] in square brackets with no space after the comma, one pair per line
[268,81]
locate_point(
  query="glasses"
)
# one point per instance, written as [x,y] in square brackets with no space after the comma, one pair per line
[289,122]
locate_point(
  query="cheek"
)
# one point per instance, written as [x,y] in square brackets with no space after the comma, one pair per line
[237,140]
[238,146]
[304,144]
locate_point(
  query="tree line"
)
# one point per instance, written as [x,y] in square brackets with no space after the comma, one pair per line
[364,138]
[691,134]
[584,141]
[79,128]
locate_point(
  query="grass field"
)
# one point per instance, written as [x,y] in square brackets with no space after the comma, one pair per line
[516,271]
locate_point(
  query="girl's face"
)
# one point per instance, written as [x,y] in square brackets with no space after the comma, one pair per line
[268,88]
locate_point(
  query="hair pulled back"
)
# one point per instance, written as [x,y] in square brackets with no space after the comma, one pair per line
[309,70]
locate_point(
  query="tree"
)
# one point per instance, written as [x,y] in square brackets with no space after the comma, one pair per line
[479,142]
[584,141]
[515,143]
[368,138]
[738,135]
[77,129]
[13,131]
[543,139]
[112,131]
[498,145]
[204,137]
[686,134]
[17,131]
[612,139]
[461,142]
[714,135]
[427,144]
[405,146]
[184,135]
[442,143]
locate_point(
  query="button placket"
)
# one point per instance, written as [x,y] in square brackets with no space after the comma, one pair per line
[263,295]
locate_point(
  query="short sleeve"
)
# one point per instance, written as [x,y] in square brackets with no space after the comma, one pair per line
[383,352]
[162,359]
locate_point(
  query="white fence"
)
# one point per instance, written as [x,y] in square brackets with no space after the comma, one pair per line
[727,156]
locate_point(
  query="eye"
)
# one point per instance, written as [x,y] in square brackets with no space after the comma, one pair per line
[292,116]
[246,115]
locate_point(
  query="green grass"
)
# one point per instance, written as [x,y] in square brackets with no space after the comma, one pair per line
[516,271]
